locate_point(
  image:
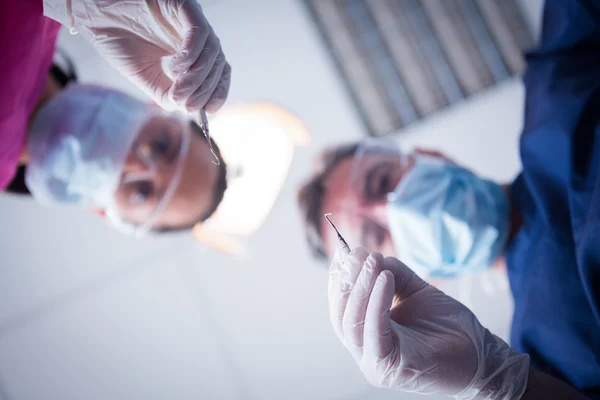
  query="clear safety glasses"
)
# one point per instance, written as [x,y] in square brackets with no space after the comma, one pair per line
[359,204]
[151,174]
[378,166]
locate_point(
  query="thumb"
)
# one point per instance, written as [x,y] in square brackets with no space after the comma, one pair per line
[407,282]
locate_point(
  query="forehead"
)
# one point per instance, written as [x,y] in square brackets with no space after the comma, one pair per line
[340,200]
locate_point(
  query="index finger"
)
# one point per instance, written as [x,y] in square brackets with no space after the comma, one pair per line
[342,275]
[356,309]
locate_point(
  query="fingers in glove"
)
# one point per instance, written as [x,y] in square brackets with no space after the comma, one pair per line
[378,341]
[189,29]
[335,271]
[354,318]
[194,42]
[202,95]
[190,14]
[144,70]
[407,282]
[191,80]
[218,97]
[346,274]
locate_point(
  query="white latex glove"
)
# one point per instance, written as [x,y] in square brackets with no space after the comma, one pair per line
[135,35]
[405,334]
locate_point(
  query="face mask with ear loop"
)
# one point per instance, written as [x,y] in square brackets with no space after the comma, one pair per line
[446,220]
[78,143]
[432,233]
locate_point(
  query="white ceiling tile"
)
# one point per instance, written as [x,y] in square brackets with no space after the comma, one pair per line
[141,338]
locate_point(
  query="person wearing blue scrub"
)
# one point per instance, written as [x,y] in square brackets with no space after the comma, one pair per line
[552,256]
[553,262]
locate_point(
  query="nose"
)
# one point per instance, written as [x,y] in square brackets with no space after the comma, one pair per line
[136,168]
[134,164]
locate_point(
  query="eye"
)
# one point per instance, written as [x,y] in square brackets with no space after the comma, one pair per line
[379,184]
[162,146]
[384,183]
[142,192]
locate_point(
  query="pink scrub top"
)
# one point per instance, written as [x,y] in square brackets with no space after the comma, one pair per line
[27,44]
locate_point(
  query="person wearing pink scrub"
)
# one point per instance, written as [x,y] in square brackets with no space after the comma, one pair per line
[133,36]
[146,169]
[27,45]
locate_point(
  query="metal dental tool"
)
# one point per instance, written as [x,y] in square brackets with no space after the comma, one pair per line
[344,248]
[204,127]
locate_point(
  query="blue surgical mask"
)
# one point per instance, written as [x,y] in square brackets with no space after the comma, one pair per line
[78,143]
[444,220]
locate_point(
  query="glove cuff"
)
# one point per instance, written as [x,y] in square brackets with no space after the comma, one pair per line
[502,373]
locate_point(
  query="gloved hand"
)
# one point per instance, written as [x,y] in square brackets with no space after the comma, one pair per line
[135,35]
[405,334]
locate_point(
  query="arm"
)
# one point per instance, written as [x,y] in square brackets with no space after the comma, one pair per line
[542,386]
[135,36]
[568,26]
[566,61]
[560,82]
[407,335]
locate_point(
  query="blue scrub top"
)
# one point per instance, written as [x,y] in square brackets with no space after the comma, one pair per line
[554,260]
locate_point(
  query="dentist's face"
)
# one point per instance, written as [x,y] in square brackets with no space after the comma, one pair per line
[357,198]
[87,148]
[150,169]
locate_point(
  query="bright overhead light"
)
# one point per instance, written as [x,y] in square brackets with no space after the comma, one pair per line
[257,143]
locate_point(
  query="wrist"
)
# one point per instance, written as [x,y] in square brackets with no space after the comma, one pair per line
[510,380]
[502,373]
